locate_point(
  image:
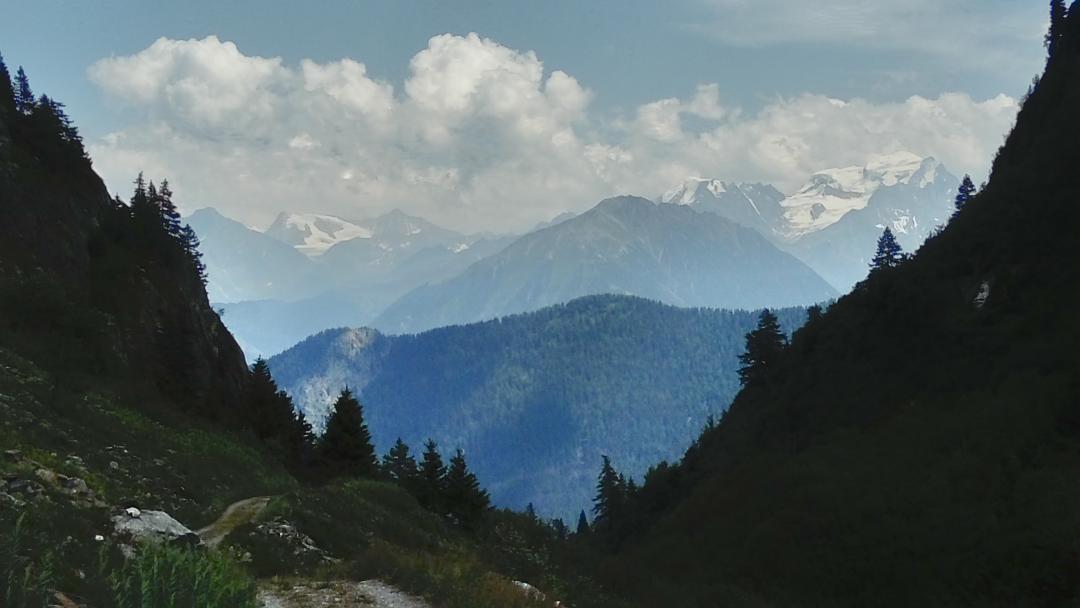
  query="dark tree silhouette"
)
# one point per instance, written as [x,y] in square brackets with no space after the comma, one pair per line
[466,501]
[345,447]
[764,346]
[964,192]
[610,495]
[270,414]
[432,474]
[399,466]
[7,92]
[1057,27]
[582,524]
[889,253]
[24,97]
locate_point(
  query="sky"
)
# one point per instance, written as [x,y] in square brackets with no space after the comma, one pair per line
[496,115]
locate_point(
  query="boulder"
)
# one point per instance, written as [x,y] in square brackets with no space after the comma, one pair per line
[152,526]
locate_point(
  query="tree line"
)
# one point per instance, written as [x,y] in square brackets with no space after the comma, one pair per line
[345,450]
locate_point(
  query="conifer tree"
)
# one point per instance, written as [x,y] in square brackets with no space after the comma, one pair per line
[889,253]
[170,217]
[399,466]
[964,192]
[189,241]
[270,414]
[530,511]
[1054,36]
[610,495]
[466,501]
[764,346]
[558,526]
[24,97]
[7,92]
[431,478]
[582,524]
[346,447]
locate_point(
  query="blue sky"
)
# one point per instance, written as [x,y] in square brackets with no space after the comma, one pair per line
[762,58]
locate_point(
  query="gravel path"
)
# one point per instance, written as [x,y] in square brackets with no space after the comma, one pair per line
[313,594]
[236,515]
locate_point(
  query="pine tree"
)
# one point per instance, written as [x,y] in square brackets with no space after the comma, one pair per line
[346,446]
[431,478]
[170,217]
[764,346]
[399,466]
[466,501]
[189,241]
[964,192]
[270,414]
[530,511]
[24,97]
[558,526]
[610,495]
[889,253]
[582,524]
[1054,36]
[7,91]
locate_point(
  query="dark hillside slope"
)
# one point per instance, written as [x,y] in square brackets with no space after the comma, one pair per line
[920,443]
[82,291]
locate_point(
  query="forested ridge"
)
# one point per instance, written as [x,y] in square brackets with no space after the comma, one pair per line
[916,444]
[535,399]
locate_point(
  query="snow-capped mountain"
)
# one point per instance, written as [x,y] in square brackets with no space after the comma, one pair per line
[831,194]
[833,221]
[754,205]
[312,234]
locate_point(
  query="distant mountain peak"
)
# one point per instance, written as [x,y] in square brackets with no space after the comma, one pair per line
[314,233]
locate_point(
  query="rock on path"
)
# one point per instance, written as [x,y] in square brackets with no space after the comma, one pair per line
[314,594]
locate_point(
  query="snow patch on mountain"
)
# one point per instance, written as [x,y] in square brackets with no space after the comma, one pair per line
[313,233]
[833,193]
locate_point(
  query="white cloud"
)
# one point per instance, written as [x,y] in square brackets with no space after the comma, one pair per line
[480,136]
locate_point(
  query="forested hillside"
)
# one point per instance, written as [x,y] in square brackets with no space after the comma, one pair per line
[536,399]
[917,445]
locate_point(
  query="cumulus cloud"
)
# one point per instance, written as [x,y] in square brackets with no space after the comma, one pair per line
[480,136]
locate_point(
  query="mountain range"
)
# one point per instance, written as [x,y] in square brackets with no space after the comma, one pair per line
[624,245]
[834,220]
[535,399]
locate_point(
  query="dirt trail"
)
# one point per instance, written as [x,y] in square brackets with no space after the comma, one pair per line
[316,594]
[235,515]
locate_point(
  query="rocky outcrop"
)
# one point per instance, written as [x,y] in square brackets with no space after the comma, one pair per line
[133,526]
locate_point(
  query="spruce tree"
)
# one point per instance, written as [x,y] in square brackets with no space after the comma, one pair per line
[346,447]
[431,478]
[24,97]
[7,91]
[558,526]
[582,524]
[764,346]
[964,192]
[399,466]
[530,511]
[170,217]
[889,253]
[189,241]
[270,415]
[466,501]
[1054,36]
[610,495]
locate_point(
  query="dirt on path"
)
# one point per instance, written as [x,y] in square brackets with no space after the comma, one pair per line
[316,594]
[235,515]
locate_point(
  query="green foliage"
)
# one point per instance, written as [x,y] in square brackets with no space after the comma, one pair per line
[466,502]
[24,580]
[163,576]
[345,448]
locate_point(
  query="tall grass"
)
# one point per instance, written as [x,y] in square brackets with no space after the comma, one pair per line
[25,581]
[162,576]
